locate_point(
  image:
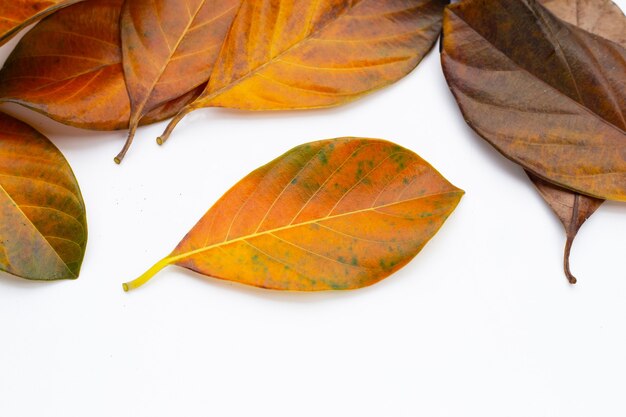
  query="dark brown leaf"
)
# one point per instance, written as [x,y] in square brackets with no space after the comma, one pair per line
[605,19]
[549,96]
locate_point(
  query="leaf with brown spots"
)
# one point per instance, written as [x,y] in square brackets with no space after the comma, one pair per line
[15,15]
[69,68]
[603,18]
[302,54]
[169,46]
[43,231]
[330,215]
[547,95]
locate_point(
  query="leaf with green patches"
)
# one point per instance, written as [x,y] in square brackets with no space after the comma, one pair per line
[330,215]
[43,228]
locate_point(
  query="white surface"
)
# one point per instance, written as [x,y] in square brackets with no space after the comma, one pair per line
[481,323]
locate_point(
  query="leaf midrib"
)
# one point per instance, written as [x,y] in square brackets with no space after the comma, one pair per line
[37,16]
[138,112]
[37,230]
[176,258]
[256,70]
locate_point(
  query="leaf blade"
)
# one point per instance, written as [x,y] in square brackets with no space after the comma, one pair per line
[16,15]
[69,68]
[603,18]
[335,214]
[303,55]
[166,53]
[43,231]
[564,125]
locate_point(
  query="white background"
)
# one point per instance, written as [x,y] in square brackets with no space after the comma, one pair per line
[481,323]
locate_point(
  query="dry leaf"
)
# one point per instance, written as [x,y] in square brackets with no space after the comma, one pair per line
[603,18]
[543,95]
[15,15]
[169,47]
[329,215]
[547,95]
[69,67]
[43,231]
[286,54]
[571,208]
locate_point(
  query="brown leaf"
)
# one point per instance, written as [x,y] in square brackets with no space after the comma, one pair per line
[285,54]
[572,209]
[330,215]
[605,19]
[601,17]
[169,46]
[15,15]
[43,230]
[69,67]
[549,96]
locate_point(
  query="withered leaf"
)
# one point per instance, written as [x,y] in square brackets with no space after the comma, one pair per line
[285,54]
[543,130]
[169,46]
[15,15]
[43,231]
[572,209]
[69,67]
[329,215]
[603,18]
[547,95]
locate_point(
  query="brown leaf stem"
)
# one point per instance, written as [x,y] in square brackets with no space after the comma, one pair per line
[571,234]
[129,141]
[173,123]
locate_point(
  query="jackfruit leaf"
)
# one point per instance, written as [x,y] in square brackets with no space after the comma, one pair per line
[285,54]
[603,18]
[330,215]
[15,15]
[169,46]
[69,68]
[43,228]
[546,94]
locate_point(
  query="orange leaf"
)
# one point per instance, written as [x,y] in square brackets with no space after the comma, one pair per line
[330,215]
[69,67]
[169,46]
[15,15]
[43,230]
[300,54]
